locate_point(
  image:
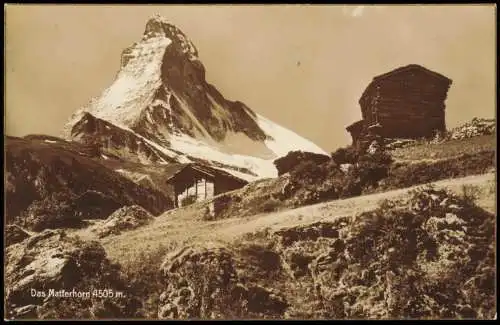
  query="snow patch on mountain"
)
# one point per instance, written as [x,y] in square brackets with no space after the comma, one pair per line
[135,84]
[195,148]
[283,140]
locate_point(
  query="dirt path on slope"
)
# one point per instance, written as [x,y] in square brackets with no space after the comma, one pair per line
[173,230]
[331,210]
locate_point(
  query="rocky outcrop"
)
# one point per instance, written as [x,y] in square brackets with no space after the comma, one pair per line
[263,196]
[126,218]
[294,158]
[51,275]
[112,140]
[14,234]
[203,283]
[408,259]
[476,127]
[427,256]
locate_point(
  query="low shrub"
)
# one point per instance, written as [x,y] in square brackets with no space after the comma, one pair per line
[308,172]
[317,183]
[351,185]
[294,158]
[372,168]
[346,155]
[470,193]
[430,253]
[270,205]
[406,175]
[55,211]
[146,280]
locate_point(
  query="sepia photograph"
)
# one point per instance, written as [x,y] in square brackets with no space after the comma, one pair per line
[250,162]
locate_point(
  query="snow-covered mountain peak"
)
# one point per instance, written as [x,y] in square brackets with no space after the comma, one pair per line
[161,109]
[157,26]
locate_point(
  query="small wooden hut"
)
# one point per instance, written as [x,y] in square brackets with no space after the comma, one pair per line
[198,182]
[408,102]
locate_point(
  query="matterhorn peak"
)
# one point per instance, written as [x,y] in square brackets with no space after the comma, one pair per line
[162,46]
[160,108]
[157,26]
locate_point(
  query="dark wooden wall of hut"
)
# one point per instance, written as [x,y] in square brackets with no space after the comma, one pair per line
[408,104]
[226,184]
[186,179]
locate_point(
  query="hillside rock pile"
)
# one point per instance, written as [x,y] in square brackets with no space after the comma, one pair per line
[125,218]
[430,255]
[46,263]
[374,147]
[476,127]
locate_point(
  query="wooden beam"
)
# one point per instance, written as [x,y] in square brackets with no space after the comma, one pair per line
[202,171]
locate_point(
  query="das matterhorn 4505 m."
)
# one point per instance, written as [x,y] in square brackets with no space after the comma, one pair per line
[160,109]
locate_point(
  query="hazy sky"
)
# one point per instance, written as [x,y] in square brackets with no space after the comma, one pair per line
[60,56]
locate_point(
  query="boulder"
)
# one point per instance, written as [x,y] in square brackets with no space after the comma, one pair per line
[14,234]
[125,218]
[287,163]
[51,262]
[374,147]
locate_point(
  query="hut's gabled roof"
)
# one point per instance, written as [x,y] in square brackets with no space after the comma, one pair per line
[405,68]
[217,172]
[411,67]
[172,170]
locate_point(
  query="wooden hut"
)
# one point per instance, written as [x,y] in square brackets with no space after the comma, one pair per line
[407,102]
[198,182]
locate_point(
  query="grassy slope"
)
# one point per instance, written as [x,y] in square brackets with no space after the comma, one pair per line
[178,227]
[449,149]
[182,226]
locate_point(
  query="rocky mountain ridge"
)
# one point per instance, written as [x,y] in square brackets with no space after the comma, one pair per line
[42,171]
